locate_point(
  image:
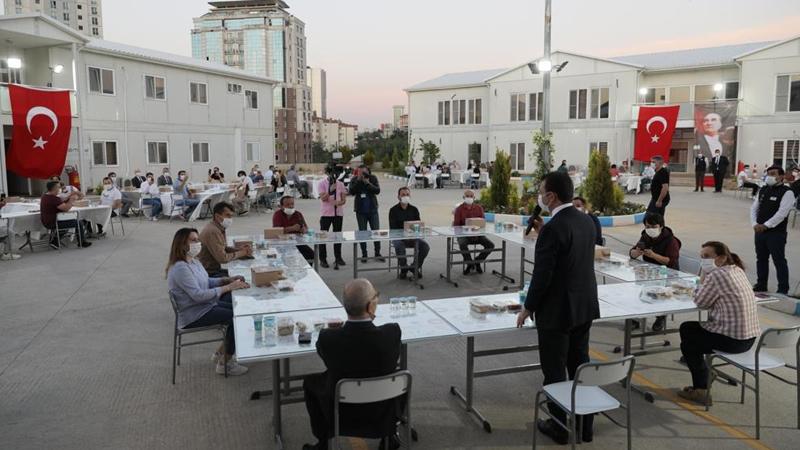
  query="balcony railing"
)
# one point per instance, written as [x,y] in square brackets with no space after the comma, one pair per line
[5,101]
[686,112]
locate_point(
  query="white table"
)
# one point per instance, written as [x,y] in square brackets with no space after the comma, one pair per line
[310,292]
[623,268]
[25,218]
[466,176]
[630,182]
[452,234]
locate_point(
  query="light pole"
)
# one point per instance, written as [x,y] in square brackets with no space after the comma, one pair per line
[546,86]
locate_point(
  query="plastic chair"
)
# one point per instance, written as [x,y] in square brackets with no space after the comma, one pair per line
[755,361]
[371,390]
[144,208]
[584,396]
[68,216]
[689,264]
[177,338]
[176,198]
[119,219]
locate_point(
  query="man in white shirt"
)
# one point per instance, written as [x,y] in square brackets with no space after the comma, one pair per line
[769,217]
[126,202]
[111,196]
[149,187]
[744,180]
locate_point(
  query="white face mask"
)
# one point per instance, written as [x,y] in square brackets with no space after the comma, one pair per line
[544,207]
[194,249]
[288,211]
[653,232]
[113,178]
[182,177]
[138,174]
[108,187]
[227,222]
[771,181]
[708,264]
[796,175]
[405,199]
[581,209]
[469,200]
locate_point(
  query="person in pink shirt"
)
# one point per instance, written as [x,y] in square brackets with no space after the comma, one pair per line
[468,210]
[333,196]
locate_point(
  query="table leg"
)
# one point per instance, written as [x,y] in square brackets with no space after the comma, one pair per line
[316,257]
[416,264]
[502,274]
[449,263]
[470,380]
[404,356]
[355,261]
[276,403]
[522,269]
[287,383]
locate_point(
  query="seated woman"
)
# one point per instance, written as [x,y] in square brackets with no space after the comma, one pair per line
[657,246]
[202,301]
[732,325]
[581,205]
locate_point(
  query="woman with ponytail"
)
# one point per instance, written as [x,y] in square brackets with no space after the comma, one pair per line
[732,325]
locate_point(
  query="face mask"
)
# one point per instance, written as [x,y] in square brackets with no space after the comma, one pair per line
[288,211]
[405,199]
[796,175]
[114,178]
[194,249]
[227,222]
[771,181]
[707,264]
[182,177]
[108,187]
[653,232]
[138,174]
[469,200]
[581,209]
[544,207]
[166,174]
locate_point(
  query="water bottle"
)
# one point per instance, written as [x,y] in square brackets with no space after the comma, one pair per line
[258,329]
[498,227]
[270,330]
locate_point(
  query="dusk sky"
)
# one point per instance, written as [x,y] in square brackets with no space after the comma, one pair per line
[373,49]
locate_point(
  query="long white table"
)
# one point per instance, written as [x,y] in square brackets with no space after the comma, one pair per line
[24,219]
[453,234]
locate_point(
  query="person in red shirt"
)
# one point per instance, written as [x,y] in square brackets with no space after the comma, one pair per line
[292,222]
[468,210]
[50,205]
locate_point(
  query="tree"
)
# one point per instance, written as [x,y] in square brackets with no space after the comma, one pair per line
[600,190]
[430,152]
[369,158]
[542,166]
[501,180]
[386,162]
[347,154]
[319,154]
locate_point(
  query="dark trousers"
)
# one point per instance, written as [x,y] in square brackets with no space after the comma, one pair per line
[752,186]
[64,225]
[400,248]
[483,241]
[699,179]
[157,206]
[306,251]
[560,354]
[319,406]
[221,313]
[652,208]
[374,224]
[719,177]
[772,244]
[126,204]
[325,223]
[100,226]
[696,342]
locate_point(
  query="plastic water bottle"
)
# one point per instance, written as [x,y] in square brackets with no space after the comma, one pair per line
[270,330]
[498,227]
[258,329]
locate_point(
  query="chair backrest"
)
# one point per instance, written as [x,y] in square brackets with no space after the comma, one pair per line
[780,337]
[605,372]
[370,390]
[689,264]
[174,307]
[176,197]
[71,215]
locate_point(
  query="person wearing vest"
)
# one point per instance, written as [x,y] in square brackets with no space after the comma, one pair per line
[769,216]
[700,166]
[658,245]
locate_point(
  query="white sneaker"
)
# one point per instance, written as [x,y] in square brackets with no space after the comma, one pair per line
[10,256]
[234,368]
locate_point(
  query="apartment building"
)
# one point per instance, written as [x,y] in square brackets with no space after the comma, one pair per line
[317,81]
[85,16]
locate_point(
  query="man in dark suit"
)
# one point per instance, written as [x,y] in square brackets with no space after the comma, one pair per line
[563,294]
[165,179]
[719,165]
[700,166]
[357,350]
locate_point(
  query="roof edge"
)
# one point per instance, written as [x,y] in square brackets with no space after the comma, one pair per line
[766,47]
[48,20]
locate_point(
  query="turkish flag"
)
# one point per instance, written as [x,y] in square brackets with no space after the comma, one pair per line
[42,121]
[654,131]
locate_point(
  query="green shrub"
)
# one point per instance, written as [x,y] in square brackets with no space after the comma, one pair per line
[369,158]
[485,200]
[599,188]
[501,180]
[386,162]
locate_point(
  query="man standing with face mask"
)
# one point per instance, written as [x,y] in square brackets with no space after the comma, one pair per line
[719,165]
[563,294]
[215,250]
[769,217]
[659,188]
[399,214]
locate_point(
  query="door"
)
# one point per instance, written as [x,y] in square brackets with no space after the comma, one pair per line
[679,156]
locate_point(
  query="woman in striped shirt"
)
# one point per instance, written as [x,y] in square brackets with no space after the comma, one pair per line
[732,324]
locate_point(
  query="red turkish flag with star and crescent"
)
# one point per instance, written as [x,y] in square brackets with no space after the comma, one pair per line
[654,131]
[42,121]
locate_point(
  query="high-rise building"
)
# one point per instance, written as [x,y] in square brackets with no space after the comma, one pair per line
[398,111]
[261,37]
[316,79]
[86,16]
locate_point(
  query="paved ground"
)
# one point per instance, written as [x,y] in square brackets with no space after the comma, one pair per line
[85,354]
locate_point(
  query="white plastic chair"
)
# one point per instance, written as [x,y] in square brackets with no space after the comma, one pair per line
[371,390]
[119,219]
[583,395]
[71,215]
[178,333]
[176,207]
[757,361]
[145,208]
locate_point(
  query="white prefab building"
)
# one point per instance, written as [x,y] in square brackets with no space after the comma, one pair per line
[135,108]
[594,104]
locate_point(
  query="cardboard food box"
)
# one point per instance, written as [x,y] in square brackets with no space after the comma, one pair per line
[195,190]
[81,203]
[239,244]
[164,189]
[409,225]
[14,199]
[264,276]
[273,233]
[475,222]
[601,252]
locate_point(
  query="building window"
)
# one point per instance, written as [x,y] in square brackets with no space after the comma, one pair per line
[535,102]
[200,152]
[95,21]
[66,17]
[101,81]
[599,103]
[155,87]
[517,154]
[8,75]
[251,100]
[517,107]
[787,93]
[198,92]
[94,9]
[654,96]
[252,151]
[459,112]
[105,153]
[234,88]
[786,152]
[577,104]
[679,94]
[95,32]
[601,146]
[704,93]
[80,27]
[444,113]
[732,90]
[157,153]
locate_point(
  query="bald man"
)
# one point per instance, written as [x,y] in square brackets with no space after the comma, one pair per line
[470,210]
[357,350]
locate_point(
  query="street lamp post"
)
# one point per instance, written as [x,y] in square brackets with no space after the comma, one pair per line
[546,87]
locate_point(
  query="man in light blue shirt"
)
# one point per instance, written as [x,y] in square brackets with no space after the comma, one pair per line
[181,187]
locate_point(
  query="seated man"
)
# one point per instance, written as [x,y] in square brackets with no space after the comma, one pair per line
[66,191]
[111,197]
[469,210]
[400,213]
[292,222]
[580,204]
[125,201]
[216,251]
[744,181]
[242,192]
[7,254]
[189,201]
[51,204]
[301,186]
[150,188]
[359,349]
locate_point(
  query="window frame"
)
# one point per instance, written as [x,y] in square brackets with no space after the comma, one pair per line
[105,142]
[785,150]
[200,143]
[514,113]
[101,91]
[250,104]
[514,157]
[147,153]
[599,110]
[255,150]
[144,77]
[597,146]
[788,104]
[199,83]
